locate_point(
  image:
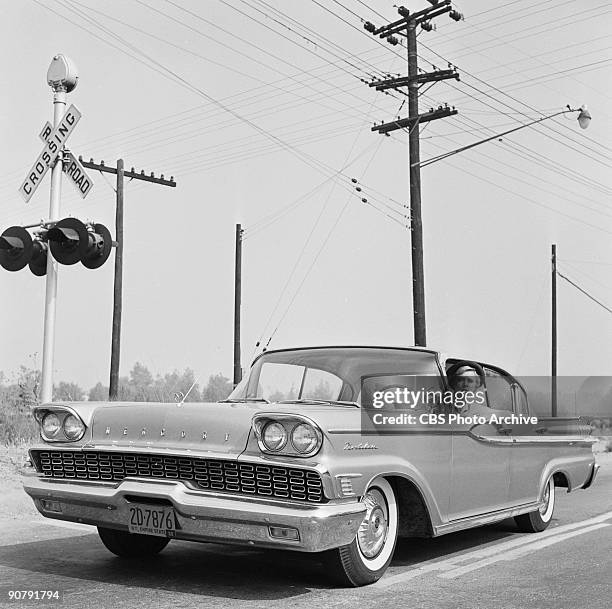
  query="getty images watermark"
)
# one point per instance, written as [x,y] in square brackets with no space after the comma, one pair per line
[393,403]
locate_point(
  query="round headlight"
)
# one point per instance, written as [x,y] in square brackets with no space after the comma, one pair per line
[50,425]
[304,438]
[74,428]
[274,436]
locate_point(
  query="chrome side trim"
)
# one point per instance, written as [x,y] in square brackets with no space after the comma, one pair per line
[486,518]
[592,475]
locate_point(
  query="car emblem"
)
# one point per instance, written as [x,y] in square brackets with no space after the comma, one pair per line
[182,434]
[203,435]
[144,431]
[125,431]
[360,446]
[162,433]
[227,437]
[107,432]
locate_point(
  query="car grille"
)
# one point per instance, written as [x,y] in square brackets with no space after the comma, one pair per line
[209,474]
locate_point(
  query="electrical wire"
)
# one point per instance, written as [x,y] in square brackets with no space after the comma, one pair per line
[587,294]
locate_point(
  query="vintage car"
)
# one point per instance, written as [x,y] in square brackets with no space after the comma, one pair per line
[314,451]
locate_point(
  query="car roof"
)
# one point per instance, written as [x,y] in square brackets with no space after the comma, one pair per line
[403,347]
[443,356]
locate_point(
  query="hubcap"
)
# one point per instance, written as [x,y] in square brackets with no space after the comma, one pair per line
[373,530]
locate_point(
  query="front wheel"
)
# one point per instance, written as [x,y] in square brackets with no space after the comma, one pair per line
[131,545]
[537,521]
[365,560]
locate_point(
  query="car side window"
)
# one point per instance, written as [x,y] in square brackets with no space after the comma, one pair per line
[416,393]
[499,390]
[320,385]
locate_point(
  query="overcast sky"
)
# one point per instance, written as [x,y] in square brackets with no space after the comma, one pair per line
[258,110]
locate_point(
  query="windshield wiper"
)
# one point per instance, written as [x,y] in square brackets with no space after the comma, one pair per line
[244,400]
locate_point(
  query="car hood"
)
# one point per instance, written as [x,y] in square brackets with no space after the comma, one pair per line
[205,427]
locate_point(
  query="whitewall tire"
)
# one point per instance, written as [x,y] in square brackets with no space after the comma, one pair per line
[365,560]
[538,520]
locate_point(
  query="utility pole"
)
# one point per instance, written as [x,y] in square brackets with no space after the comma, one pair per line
[553,377]
[407,27]
[237,302]
[118,283]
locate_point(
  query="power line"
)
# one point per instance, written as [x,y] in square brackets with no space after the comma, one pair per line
[547,127]
[554,166]
[601,304]
[320,250]
[522,197]
[542,126]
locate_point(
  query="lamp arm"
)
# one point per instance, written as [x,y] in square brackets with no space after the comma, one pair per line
[488,139]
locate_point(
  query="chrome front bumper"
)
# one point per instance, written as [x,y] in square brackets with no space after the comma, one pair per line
[200,516]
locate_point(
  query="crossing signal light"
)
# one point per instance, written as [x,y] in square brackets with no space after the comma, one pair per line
[99,247]
[38,263]
[69,241]
[15,248]
[18,250]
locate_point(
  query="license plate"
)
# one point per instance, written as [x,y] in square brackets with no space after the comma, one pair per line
[151,520]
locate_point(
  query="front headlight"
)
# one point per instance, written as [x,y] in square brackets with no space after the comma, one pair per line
[274,436]
[74,428]
[50,425]
[304,438]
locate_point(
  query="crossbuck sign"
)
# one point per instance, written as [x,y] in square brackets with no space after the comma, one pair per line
[54,143]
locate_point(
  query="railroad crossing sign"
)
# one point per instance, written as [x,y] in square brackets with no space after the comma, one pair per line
[53,147]
[72,166]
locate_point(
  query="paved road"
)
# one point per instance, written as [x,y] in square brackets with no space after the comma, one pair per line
[567,566]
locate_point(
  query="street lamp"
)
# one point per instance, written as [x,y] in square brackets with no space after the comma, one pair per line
[584,118]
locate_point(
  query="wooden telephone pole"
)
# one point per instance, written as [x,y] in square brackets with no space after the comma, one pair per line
[237,303]
[121,174]
[407,26]
[553,371]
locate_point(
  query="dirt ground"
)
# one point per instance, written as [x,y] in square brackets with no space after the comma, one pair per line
[14,503]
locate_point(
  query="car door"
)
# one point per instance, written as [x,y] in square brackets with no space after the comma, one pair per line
[481,453]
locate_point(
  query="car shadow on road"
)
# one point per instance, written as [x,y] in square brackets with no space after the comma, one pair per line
[212,570]
[196,568]
[412,551]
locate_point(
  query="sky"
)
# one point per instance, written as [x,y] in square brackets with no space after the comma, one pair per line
[261,111]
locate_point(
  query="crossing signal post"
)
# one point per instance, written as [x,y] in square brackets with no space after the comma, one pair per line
[407,26]
[62,77]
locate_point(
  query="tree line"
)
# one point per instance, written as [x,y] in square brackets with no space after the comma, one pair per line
[21,391]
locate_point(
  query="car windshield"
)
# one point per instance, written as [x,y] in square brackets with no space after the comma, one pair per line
[332,374]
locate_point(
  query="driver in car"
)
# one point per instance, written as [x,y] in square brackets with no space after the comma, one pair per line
[469,388]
